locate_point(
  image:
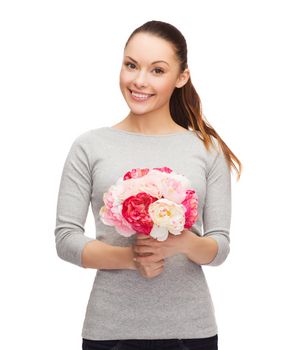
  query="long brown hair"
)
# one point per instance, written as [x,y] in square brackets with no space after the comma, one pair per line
[185,103]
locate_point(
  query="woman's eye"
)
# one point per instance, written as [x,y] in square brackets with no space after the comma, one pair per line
[159,70]
[132,66]
[129,63]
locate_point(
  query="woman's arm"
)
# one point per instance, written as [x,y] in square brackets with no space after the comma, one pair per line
[100,255]
[217,212]
[73,203]
[201,250]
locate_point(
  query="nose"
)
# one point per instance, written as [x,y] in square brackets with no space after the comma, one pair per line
[140,80]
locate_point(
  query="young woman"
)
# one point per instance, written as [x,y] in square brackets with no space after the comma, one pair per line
[149,294]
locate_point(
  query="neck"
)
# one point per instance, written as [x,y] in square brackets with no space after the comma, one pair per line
[154,122]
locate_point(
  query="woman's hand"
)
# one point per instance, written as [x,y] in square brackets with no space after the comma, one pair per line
[150,253]
[151,268]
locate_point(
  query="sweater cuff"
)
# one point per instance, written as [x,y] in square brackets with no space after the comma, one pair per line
[223,249]
[71,247]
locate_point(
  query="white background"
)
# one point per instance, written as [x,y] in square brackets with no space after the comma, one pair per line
[60,63]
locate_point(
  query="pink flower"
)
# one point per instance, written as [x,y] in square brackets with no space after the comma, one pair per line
[191,205]
[135,173]
[110,214]
[173,189]
[152,182]
[164,169]
[135,211]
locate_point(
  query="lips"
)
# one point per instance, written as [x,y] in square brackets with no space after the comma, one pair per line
[140,97]
[139,92]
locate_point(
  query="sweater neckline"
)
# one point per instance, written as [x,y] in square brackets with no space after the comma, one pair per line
[120,131]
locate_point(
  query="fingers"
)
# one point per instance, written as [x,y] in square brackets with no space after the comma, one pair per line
[144,260]
[142,236]
[152,270]
[147,241]
[159,264]
[144,249]
[160,267]
[149,268]
[146,253]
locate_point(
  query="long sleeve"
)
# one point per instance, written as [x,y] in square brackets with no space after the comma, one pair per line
[73,203]
[217,207]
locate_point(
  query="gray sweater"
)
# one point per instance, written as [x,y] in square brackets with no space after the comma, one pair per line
[122,303]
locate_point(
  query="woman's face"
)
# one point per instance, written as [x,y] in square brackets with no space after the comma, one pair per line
[149,73]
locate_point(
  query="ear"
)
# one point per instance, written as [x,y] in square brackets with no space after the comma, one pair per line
[183,78]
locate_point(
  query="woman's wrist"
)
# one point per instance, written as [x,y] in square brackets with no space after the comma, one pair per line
[130,258]
[186,239]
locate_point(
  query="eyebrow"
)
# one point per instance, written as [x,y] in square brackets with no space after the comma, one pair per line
[152,63]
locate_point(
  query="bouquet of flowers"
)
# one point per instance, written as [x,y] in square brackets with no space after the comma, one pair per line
[151,202]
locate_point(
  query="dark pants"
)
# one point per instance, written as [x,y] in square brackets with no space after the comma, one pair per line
[152,344]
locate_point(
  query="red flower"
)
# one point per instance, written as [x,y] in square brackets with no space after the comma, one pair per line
[135,211]
[191,204]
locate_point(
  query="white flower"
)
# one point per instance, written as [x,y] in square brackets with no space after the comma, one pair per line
[167,217]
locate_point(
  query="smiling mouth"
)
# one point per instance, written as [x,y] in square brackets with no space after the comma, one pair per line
[140,96]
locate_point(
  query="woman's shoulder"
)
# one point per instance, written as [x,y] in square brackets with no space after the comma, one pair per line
[89,135]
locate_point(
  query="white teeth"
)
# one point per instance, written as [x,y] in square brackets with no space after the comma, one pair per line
[140,95]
